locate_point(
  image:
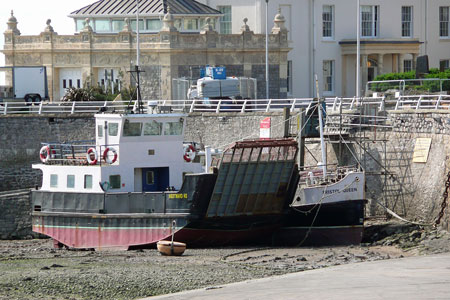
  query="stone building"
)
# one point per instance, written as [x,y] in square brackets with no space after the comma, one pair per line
[104,49]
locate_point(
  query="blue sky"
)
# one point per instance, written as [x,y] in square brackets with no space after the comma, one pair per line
[32,15]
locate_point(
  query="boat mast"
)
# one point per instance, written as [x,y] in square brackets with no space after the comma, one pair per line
[322,141]
[137,70]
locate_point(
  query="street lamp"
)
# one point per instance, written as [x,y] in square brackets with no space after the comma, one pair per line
[358,49]
[267,49]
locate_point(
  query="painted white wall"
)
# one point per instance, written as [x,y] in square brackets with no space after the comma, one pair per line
[310,50]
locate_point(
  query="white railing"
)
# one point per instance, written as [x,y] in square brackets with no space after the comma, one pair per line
[418,102]
[188,106]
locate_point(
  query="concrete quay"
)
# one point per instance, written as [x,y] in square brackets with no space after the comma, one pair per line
[419,277]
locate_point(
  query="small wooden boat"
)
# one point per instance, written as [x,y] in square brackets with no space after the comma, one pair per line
[170,248]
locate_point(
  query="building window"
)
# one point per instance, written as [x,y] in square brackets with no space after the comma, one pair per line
[102,26]
[407,21]
[141,25]
[117,25]
[327,22]
[225,21]
[190,24]
[444,65]
[369,20]
[53,180]
[328,75]
[70,181]
[444,12]
[407,65]
[114,181]
[79,25]
[64,84]
[289,77]
[154,25]
[88,181]
[70,83]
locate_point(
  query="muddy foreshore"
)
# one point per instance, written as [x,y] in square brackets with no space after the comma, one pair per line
[32,269]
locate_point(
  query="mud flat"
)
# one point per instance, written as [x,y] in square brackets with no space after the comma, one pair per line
[31,269]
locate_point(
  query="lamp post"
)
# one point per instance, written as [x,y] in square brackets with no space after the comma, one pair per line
[358,49]
[267,49]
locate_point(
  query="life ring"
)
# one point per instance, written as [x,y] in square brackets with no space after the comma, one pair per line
[106,156]
[92,152]
[44,154]
[189,153]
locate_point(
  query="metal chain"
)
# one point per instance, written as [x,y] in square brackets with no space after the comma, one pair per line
[444,201]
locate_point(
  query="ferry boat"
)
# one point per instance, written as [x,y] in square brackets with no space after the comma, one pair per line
[126,188]
[329,206]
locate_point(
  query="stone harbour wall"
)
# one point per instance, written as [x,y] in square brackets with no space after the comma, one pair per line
[412,190]
[15,219]
[20,142]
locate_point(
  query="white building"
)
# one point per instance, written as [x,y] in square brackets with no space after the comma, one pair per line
[323,36]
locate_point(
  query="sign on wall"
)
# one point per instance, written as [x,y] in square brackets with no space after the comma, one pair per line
[421,150]
[264,128]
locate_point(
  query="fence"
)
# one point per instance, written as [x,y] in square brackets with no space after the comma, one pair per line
[336,104]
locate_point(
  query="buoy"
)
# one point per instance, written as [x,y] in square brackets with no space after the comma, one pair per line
[170,248]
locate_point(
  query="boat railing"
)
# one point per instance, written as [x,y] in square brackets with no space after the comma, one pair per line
[78,153]
[313,175]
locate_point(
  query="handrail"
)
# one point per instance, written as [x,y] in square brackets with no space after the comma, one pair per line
[334,104]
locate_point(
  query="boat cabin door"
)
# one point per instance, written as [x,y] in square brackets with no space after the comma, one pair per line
[155,179]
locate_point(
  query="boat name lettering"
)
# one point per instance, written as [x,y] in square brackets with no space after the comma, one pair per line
[178,196]
[347,190]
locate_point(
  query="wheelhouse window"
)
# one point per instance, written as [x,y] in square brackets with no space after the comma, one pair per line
[150,178]
[407,21]
[225,20]
[70,181]
[100,130]
[53,180]
[327,22]
[152,128]
[132,128]
[88,182]
[369,20]
[173,128]
[113,129]
[328,75]
[444,27]
[114,181]
[407,65]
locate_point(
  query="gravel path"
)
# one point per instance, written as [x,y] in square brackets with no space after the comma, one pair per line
[31,269]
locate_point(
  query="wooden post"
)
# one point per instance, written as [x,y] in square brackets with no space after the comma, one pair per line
[287,122]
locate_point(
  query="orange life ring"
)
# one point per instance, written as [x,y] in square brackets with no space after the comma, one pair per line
[189,153]
[106,156]
[90,152]
[44,154]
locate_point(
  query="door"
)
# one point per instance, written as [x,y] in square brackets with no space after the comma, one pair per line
[69,77]
[155,179]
